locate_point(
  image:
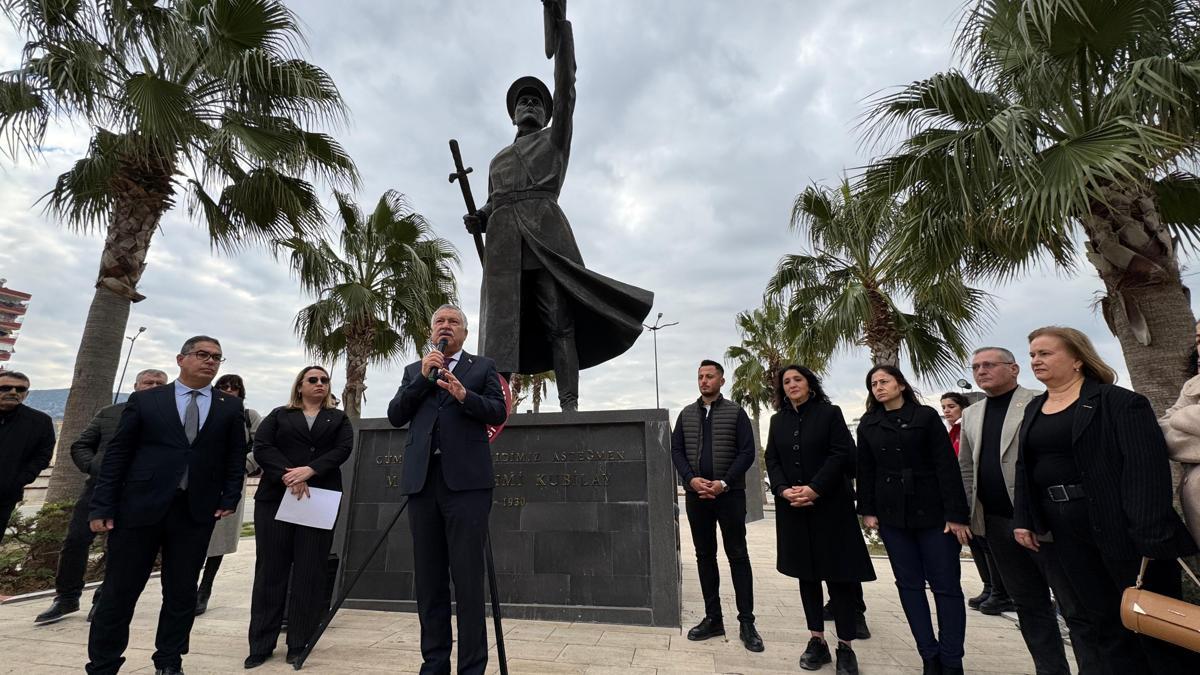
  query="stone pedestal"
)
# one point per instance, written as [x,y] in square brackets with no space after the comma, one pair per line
[584,522]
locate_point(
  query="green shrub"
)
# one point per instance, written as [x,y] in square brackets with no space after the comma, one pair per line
[29,555]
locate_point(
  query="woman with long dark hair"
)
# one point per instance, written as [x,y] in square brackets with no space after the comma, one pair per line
[300,445]
[228,530]
[1092,473]
[810,459]
[910,488]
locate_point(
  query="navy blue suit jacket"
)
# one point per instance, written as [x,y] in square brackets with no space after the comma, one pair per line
[147,455]
[462,427]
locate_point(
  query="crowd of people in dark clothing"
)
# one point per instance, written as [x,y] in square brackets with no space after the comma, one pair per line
[1064,498]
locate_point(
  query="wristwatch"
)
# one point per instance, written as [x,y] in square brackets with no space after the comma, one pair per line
[724,485]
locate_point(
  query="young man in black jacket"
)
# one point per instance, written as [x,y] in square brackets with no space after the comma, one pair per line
[26,443]
[712,448]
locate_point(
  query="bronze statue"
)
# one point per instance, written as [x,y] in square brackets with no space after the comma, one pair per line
[541,309]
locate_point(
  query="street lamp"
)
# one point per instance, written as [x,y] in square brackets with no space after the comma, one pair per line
[132,339]
[654,331]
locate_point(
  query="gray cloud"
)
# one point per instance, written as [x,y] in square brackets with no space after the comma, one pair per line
[697,124]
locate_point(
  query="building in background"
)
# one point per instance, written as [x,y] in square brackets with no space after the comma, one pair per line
[13,305]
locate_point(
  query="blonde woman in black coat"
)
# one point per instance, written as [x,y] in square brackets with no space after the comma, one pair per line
[299,446]
[1093,475]
[810,458]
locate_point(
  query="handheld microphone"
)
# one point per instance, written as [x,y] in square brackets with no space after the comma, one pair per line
[435,372]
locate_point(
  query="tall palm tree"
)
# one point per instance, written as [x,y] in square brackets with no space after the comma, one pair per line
[758,357]
[375,296]
[1070,119]
[532,386]
[204,98]
[853,286]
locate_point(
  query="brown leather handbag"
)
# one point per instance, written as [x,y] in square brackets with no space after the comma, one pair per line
[1159,616]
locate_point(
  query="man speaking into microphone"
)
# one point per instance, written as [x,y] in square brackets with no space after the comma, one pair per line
[448,398]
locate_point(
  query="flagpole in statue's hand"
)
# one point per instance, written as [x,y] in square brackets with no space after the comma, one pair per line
[460,175]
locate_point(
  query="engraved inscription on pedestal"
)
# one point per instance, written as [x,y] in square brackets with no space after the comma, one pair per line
[583,522]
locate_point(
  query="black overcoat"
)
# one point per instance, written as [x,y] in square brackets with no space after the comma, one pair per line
[823,542]
[908,475]
[1122,459]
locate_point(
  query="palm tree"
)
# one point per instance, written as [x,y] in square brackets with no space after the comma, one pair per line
[207,98]
[1071,118]
[851,288]
[375,297]
[534,386]
[758,358]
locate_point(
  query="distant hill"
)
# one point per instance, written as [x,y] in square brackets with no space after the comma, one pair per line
[53,402]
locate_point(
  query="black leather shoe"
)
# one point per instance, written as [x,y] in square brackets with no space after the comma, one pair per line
[202,596]
[847,662]
[59,609]
[750,637]
[861,632]
[996,605]
[169,670]
[978,600]
[255,660]
[815,655]
[293,654]
[707,628]
[932,667]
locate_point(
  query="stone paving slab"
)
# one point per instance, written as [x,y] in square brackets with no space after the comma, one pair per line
[369,642]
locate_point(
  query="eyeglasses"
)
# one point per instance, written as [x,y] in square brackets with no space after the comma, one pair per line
[988,365]
[228,387]
[19,388]
[207,356]
[322,380]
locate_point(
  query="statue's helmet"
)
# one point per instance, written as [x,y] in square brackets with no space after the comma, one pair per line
[530,83]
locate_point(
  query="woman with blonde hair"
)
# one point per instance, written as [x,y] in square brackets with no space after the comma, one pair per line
[299,446]
[1092,477]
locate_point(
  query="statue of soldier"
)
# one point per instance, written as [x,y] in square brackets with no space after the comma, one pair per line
[541,309]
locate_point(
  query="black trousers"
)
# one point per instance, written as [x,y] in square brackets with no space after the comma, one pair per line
[6,511]
[1098,582]
[131,553]
[1026,576]
[985,563]
[729,512]
[449,529]
[73,560]
[845,600]
[919,555]
[283,549]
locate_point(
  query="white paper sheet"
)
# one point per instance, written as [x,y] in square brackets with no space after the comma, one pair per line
[318,510]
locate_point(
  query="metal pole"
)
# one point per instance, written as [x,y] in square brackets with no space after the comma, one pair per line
[128,355]
[654,331]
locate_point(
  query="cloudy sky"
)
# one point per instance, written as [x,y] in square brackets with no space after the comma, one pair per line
[697,123]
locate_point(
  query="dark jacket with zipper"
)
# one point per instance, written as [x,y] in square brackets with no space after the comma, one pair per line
[1126,476]
[908,475]
[732,443]
[283,441]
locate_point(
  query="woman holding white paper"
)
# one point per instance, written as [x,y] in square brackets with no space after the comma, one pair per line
[299,446]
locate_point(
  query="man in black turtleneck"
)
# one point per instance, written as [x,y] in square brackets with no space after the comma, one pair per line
[26,443]
[988,457]
[712,448]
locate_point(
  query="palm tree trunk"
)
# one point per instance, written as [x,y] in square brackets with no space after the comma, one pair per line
[1147,306]
[880,334]
[537,386]
[145,195]
[358,354]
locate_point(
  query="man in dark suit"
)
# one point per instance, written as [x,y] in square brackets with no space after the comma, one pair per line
[447,475]
[26,443]
[87,452]
[173,469]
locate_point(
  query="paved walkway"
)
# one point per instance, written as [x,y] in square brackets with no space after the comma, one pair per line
[369,642]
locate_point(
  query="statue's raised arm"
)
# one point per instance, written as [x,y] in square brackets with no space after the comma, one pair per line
[560,46]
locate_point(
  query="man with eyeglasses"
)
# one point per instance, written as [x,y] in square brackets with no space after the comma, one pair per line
[988,458]
[87,452]
[173,468]
[26,443]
